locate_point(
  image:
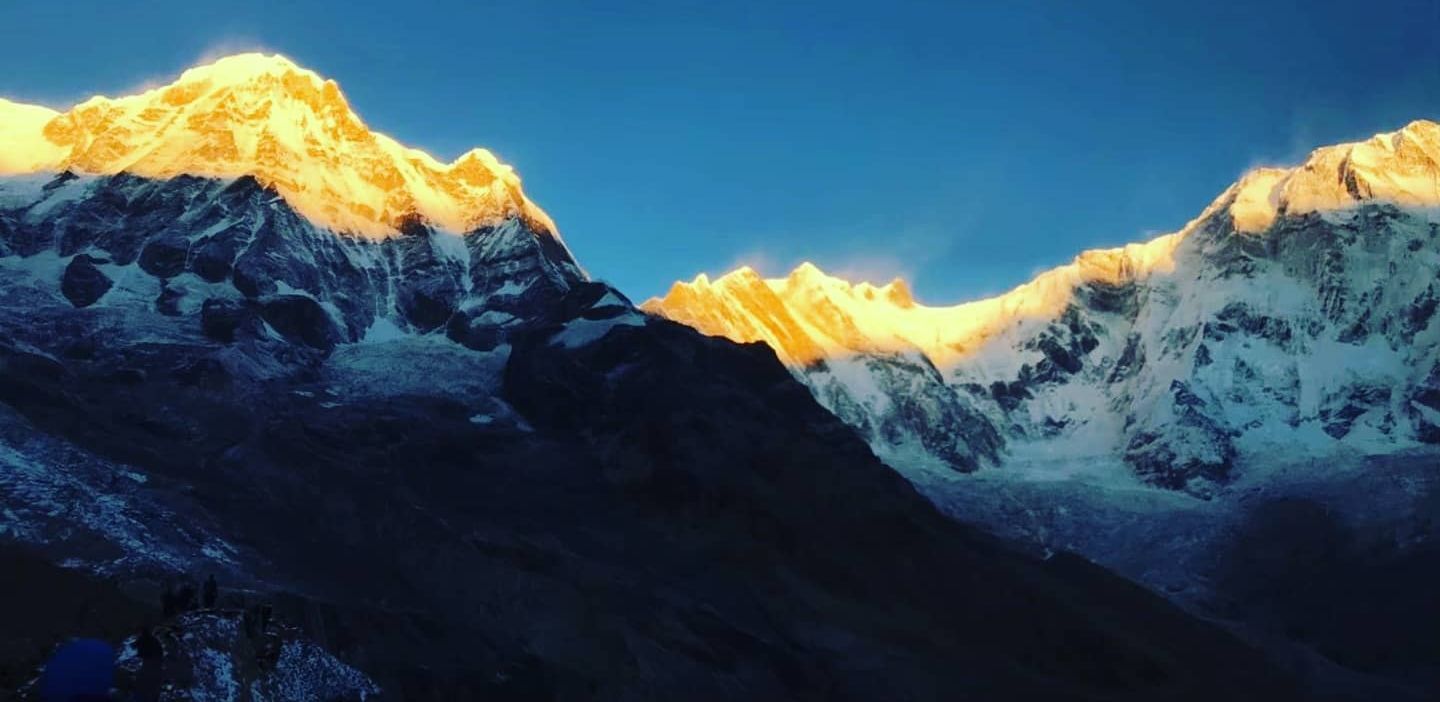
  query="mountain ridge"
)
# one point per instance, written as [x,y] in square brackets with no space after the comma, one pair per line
[1065,354]
[1330,178]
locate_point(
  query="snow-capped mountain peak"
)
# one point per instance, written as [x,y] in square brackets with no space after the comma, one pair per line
[249,186]
[264,116]
[1400,167]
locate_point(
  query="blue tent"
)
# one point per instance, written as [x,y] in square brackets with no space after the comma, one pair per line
[83,669]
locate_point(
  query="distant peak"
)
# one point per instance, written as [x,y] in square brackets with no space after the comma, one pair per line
[806,270]
[262,115]
[810,276]
[744,275]
[1422,126]
[898,292]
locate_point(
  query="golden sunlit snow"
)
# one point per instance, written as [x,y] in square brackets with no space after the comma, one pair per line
[263,116]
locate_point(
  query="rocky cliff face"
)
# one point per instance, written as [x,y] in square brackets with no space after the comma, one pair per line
[463,470]
[232,255]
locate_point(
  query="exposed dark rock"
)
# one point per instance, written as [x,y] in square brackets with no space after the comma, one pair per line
[433,286]
[82,283]
[582,299]
[252,282]
[60,179]
[1191,446]
[223,320]
[1009,395]
[1425,407]
[165,257]
[413,225]
[1202,356]
[1059,356]
[470,331]
[1117,299]
[6,232]
[212,258]
[1339,412]
[1131,361]
[300,319]
[1420,312]
[427,308]
[1357,332]
[1238,316]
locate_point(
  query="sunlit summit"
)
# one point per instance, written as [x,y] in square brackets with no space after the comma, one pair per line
[263,116]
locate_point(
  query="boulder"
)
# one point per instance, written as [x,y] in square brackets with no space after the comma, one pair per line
[224,320]
[83,284]
[300,319]
[164,257]
[214,258]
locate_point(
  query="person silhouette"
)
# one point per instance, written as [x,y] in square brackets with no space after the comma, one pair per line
[185,597]
[148,646]
[152,666]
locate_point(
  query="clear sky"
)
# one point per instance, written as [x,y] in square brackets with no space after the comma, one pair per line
[962,148]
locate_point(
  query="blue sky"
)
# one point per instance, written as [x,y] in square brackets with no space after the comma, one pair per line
[962,147]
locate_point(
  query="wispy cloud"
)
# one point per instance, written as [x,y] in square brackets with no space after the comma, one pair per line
[230,46]
[876,250]
[761,260]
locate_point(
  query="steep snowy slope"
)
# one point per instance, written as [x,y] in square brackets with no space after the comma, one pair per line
[1297,311]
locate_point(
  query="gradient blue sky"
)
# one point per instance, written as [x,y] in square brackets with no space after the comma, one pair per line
[964,148]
